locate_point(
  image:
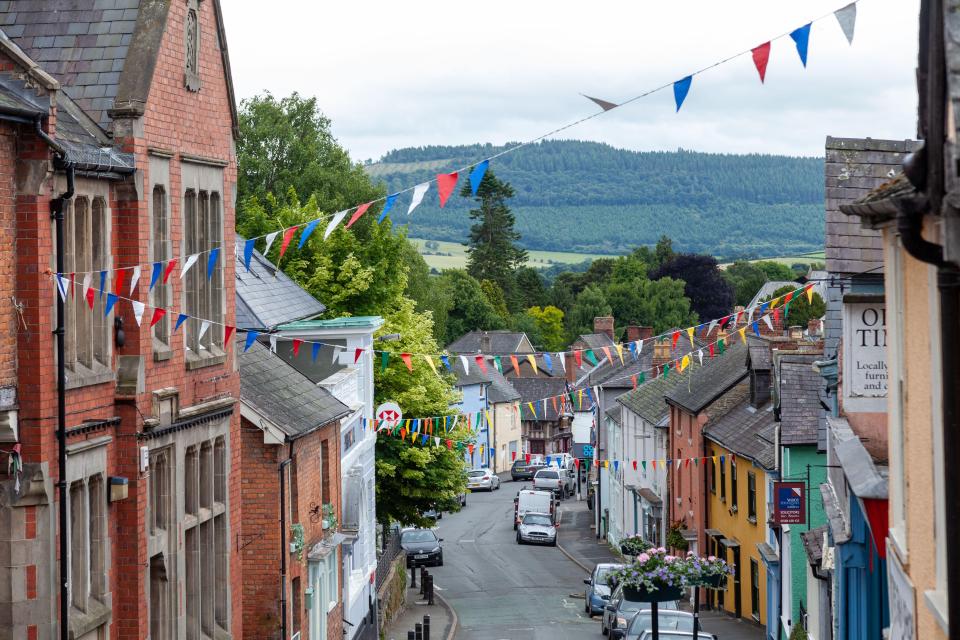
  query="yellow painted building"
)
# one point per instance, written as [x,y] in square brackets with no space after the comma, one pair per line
[740,450]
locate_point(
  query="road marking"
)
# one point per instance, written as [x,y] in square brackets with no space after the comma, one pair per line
[464,541]
[438,588]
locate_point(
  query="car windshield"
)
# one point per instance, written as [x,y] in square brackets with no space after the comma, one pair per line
[518,464]
[477,474]
[537,518]
[633,605]
[603,573]
[418,535]
[667,621]
[550,475]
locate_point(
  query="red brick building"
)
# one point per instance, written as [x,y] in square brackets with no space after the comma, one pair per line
[135,99]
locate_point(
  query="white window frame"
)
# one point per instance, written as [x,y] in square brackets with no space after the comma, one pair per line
[893,291]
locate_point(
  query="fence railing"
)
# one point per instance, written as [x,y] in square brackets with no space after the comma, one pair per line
[391,549]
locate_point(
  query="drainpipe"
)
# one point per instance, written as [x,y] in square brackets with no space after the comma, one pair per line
[56,212]
[284,550]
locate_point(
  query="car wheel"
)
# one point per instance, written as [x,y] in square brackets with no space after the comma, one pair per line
[554,543]
[603,629]
[440,516]
[586,606]
[514,526]
[519,541]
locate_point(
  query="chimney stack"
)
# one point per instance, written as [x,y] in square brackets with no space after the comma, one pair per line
[661,352]
[814,326]
[485,343]
[635,333]
[570,363]
[603,324]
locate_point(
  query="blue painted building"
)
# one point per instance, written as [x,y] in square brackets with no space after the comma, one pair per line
[473,384]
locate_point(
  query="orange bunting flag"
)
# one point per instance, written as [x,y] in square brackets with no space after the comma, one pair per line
[634,379]
[654,464]
[606,352]
[578,356]
[403,434]
[533,363]
[555,404]
[516,365]
[407,360]
[470,447]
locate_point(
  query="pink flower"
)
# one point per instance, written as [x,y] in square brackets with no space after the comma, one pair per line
[661,550]
[643,557]
[669,558]
[689,553]
[712,558]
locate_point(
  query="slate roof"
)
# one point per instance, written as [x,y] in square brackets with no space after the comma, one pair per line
[813,544]
[709,382]
[746,431]
[595,340]
[501,342]
[620,376]
[268,298]
[759,353]
[647,400]
[802,419]
[534,389]
[284,395]
[614,412]
[88,44]
[469,376]
[500,389]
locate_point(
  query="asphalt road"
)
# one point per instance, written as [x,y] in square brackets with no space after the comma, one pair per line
[502,590]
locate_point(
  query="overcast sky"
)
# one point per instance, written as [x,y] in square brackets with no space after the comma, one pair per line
[397,74]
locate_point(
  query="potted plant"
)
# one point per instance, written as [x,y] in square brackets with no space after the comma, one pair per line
[634,545]
[655,576]
[710,572]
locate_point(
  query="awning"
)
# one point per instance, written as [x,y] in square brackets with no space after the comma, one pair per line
[648,495]
[326,546]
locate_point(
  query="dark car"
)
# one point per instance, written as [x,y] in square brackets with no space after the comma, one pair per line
[422,547]
[522,470]
[621,610]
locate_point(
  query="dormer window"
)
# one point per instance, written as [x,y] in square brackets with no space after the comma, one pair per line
[191,78]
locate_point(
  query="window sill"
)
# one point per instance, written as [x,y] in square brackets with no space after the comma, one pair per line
[161,352]
[83,622]
[936,602]
[87,378]
[199,362]
[752,519]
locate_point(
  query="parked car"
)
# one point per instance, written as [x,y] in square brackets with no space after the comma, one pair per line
[676,635]
[521,470]
[597,593]
[666,621]
[537,528]
[621,610]
[551,480]
[483,478]
[528,501]
[422,547]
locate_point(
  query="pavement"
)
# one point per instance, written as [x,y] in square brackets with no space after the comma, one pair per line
[443,619]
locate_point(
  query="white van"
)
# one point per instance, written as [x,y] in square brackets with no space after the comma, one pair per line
[528,501]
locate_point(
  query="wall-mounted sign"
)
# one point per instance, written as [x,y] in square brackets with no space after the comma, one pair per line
[789,503]
[865,349]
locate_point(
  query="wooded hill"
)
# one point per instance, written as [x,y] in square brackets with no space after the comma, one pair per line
[587,196]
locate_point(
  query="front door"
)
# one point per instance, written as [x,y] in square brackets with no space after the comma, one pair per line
[737,596]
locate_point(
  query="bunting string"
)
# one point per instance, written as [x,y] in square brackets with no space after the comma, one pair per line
[446,182]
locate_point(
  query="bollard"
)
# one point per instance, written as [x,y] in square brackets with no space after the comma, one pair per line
[428,589]
[418,631]
[654,621]
[426,626]
[696,611]
[424,574]
[413,577]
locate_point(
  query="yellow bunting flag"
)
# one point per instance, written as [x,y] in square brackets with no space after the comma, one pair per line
[774,303]
[606,464]
[620,353]
[743,334]
[684,363]
[489,420]
[809,289]
[429,360]
[690,335]
[533,363]
[532,410]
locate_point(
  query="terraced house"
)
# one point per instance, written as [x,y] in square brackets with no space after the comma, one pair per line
[119,115]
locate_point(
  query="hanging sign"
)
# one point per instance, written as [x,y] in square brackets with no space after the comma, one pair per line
[389,414]
[789,503]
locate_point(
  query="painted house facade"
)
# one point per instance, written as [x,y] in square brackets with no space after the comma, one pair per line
[147,132]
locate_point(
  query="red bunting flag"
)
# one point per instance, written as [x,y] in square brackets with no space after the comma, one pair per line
[634,379]
[578,356]
[654,464]
[676,336]
[513,456]
[470,448]
[227,333]
[445,184]
[528,458]
[776,314]
[482,363]
[287,237]
[90,297]
[711,349]
[787,298]
[296,346]
[761,55]
[449,444]
[157,315]
[407,360]
[686,462]
[121,276]
[362,209]
[170,267]
[634,465]
[739,317]
[356,355]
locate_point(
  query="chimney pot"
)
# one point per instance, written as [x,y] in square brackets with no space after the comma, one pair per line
[661,352]
[603,324]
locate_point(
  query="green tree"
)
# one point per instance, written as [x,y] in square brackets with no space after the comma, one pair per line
[468,308]
[660,304]
[494,295]
[287,143]
[590,304]
[746,278]
[492,252]
[549,321]
[530,290]
[775,270]
[801,311]
[412,478]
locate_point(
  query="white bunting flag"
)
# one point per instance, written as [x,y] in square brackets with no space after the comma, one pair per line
[135,279]
[700,356]
[418,192]
[270,238]
[436,441]
[137,310]
[847,17]
[62,287]
[466,364]
[86,284]
[713,325]
[334,355]
[273,343]
[769,322]
[191,260]
[203,329]
[639,347]
[334,221]
[750,315]
[562,360]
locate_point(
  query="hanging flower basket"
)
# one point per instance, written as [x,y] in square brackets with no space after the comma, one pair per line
[663,593]
[710,572]
[634,546]
[714,582]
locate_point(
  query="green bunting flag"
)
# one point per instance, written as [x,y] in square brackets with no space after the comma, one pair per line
[384,361]
[723,346]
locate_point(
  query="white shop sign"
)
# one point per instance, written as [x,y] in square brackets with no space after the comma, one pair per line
[864,350]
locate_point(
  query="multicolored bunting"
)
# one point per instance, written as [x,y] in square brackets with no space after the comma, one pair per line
[362,209]
[387,205]
[334,221]
[307,230]
[212,261]
[603,104]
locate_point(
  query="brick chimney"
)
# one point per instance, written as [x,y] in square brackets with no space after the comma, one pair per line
[485,343]
[570,363]
[603,324]
[661,352]
[634,333]
[814,326]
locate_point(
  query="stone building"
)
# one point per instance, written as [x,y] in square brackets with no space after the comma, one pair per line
[133,100]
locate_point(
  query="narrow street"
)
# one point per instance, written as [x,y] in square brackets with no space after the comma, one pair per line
[501,589]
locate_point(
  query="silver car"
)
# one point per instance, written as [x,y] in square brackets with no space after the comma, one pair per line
[548,479]
[620,610]
[484,479]
[537,528]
